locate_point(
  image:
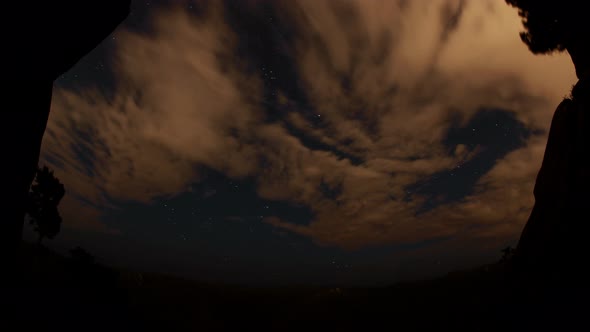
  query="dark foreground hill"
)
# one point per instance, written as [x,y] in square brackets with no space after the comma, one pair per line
[76,293]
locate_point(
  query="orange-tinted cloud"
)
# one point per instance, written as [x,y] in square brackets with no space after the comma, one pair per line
[439,73]
[387,79]
[174,109]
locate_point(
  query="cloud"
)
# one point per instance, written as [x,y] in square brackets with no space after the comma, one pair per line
[175,109]
[434,72]
[387,79]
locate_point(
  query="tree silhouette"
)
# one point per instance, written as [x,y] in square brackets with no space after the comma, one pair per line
[507,254]
[59,33]
[550,25]
[81,256]
[44,197]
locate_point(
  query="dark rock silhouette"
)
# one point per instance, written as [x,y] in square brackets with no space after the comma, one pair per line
[548,266]
[45,39]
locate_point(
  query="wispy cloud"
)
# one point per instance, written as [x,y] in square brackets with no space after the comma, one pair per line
[386,79]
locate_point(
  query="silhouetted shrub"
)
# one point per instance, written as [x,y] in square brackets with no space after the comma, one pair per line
[44,197]
[81,256]
[507,254]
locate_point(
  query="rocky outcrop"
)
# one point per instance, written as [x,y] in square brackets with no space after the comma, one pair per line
[553,245]
[41,40]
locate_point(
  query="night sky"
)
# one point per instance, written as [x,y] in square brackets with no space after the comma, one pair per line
[311,142]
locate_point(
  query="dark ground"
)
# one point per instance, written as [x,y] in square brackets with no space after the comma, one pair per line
[60,293]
